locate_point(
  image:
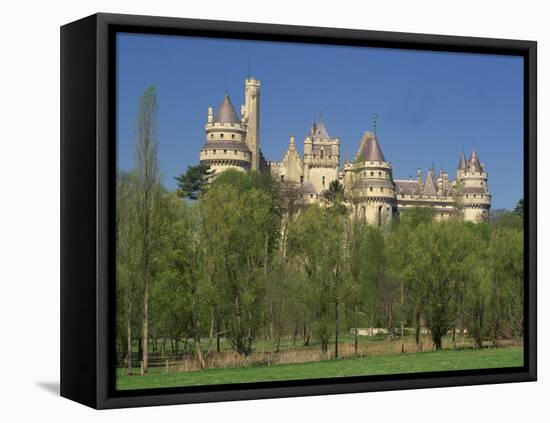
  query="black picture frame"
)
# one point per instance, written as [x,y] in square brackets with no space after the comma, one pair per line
[88,155]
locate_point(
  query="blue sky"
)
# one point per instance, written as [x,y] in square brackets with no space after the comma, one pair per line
[429,104]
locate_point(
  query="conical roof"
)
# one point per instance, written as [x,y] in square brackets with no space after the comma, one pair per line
[319,130]
[429,185]
[226,112]
[371,151]
[462,162]
[474,162]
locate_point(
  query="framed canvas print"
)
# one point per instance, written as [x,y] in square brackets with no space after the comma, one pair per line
[255,211]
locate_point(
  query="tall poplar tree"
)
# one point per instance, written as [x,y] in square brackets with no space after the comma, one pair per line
[148,192]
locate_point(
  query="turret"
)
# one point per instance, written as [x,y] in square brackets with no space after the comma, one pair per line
[372,186]
[225,134]
[476,199]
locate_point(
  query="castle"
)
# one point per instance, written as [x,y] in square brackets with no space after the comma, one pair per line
[371,191]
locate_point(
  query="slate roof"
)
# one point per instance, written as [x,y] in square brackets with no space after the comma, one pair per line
[307,188]
[462,162]
[226,145]
[474,161]
[226,112]
[474,190]
[370,150]
[406,187]
[380,183]
[319,131]
[429,185]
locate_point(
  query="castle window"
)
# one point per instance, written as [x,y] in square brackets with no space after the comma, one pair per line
[232,135]
[214,152]
[481,183]
[329,157]
[322,154]
[235,151]
[381,189]
[310,195]
[370,189]
[323,181]
[474,196]
[379,173]
[221,135]
[211,135]
[282,178]
[372,174]
[224,151]
[301,179]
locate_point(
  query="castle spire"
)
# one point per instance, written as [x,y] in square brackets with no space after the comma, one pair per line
[226,112]
[462,162]
[474,162]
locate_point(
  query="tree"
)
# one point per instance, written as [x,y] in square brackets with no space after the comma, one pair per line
[147,199]
[193,182]
[239,237]
[127,260]
[315,240]
[519,208]
[334,192]
[402,267]
[439,251]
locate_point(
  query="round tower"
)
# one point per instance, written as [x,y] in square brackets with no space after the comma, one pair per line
[372,186]
[225,146]
[252,107]
[475,199]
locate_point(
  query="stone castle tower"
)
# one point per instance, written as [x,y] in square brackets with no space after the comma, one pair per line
[475,199]
[251,115]
[321,157]
[368,182]
[233,142]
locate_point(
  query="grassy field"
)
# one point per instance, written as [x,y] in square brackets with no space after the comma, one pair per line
[373,365]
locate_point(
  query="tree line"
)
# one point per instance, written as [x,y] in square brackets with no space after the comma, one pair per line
[242,259]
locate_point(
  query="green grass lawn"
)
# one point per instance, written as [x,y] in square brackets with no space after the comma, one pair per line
[374,365]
